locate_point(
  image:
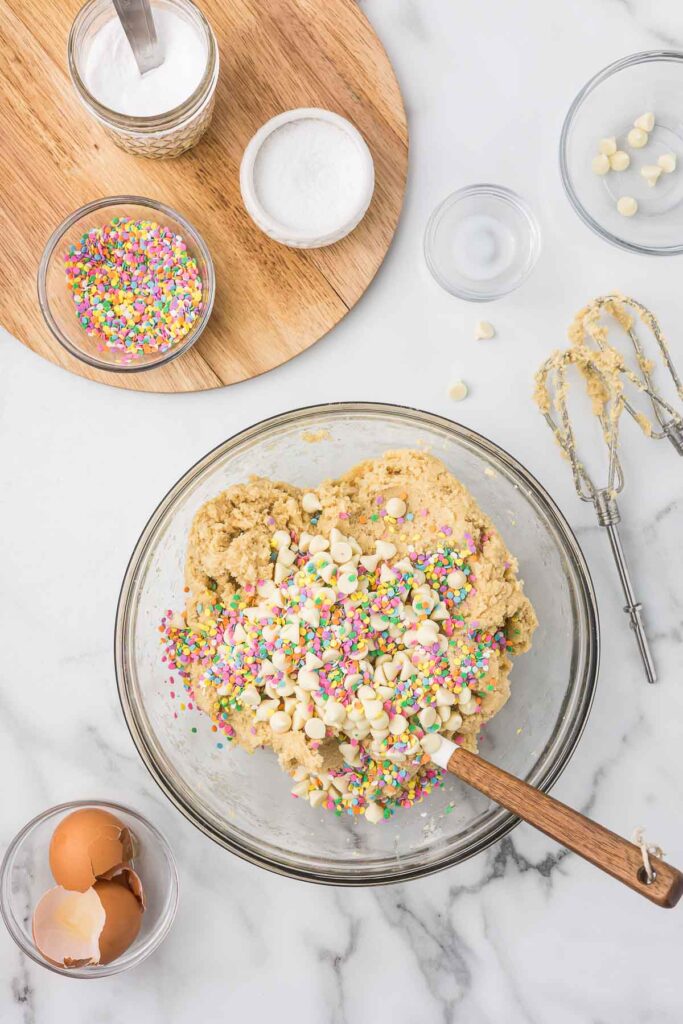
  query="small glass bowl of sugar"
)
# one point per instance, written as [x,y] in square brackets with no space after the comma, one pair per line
[482,242]
[159,114]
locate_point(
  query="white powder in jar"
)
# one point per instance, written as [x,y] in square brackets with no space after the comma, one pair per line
[111,74]
[310,176]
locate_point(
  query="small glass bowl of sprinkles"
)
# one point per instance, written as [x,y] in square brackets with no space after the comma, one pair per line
[126,284]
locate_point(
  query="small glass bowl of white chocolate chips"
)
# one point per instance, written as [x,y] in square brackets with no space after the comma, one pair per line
[611,157]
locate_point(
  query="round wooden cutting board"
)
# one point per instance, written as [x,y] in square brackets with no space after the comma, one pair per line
[272,302]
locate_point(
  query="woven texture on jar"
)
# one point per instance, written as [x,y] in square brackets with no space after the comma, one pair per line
[166,145]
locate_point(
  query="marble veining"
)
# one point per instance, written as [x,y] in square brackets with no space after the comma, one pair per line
[525,933]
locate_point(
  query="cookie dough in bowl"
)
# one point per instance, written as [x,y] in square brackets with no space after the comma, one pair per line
[350,627]
[243,800]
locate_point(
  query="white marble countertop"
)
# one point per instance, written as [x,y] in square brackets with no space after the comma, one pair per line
[524,934]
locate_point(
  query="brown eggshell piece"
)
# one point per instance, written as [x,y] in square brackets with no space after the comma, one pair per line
[86,844]
[67,927]
[123,917]
[126,876]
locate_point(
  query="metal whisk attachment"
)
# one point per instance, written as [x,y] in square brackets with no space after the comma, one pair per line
[604,385]
[587,329]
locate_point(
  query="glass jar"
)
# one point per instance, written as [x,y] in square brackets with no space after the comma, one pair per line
[158,135]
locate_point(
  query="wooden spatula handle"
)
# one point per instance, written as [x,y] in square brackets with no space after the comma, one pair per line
[605,849]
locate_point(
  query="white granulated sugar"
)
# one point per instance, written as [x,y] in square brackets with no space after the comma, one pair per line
[111,74]
[310,176]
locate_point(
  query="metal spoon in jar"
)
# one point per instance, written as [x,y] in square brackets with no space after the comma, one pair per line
[138,24]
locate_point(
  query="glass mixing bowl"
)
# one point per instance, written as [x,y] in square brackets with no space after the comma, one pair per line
[243,801]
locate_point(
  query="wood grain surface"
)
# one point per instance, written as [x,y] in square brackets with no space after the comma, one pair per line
[605,849]
[271,302]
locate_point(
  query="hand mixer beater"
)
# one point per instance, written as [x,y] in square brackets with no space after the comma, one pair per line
[588,329]
[602,371]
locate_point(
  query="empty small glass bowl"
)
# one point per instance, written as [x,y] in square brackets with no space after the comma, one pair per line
[607,105]
[482,242]
[242,800]
[25,876]
[56,300]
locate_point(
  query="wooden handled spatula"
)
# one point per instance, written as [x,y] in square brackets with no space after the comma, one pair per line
[608,851]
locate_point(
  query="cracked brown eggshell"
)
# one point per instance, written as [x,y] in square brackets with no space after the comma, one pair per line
[67,927]
[123,917]
[86,845]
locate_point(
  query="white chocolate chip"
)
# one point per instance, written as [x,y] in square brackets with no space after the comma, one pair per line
[458,391]
[667,161]
[373,813]
[341,552]
[627,206]
[385,549]
[369,562]
[396,507]
[469,709]
[350,753]
[281,539]
[608,146]
[427,717]
[301,788]
[637,138]
[431,743]
[426,637]
[454,722]
[484,330]
[280,722]
[456,579]
[645,122]
[347,582]
[266,709]
[379,723]
[335,713]
[311,502]
[250,696]
[282,572]
[444,698]
[315,729]
[286,556]
[372,708]
[317,797]
[398,724]
[308,679]
[600,164]
[620,160]
[318,544]
[299,718]
[651,173]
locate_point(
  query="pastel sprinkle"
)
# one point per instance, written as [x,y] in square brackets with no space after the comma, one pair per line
[135,287]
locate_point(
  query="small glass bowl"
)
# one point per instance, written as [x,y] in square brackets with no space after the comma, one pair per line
[608,105]
[56,302]
[482,242]
[25,876]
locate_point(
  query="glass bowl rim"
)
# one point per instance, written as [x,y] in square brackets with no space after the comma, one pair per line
[641,57]
[102,204]
[161,930]
[504,821]
[508,196]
